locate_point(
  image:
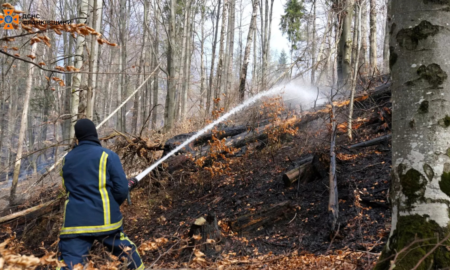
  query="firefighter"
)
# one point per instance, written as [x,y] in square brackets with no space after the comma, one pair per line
[96,186]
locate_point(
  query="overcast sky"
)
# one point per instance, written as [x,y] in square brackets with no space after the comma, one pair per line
[278,41]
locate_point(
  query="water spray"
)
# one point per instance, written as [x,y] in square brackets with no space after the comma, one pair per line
[134,181]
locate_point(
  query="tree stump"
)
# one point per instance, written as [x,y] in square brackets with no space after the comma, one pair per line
[209,232]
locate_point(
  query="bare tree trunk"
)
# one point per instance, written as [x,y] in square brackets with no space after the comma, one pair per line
[213,57]
[355,68]
[345,47]
[134,123]
[122,88]
[255,62]
[373,36]
[243,76]
[93,59]
[169,112]
[155,77]
[184,77]
[364,25]
[387,30]
[420,175]
[68,44]
[266,47]
[220,69]
[229,59]
[23,125]
[202,54]
[76,78]
[333,205]
[313,45]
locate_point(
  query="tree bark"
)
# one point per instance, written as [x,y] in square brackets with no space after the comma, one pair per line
[364,24]
[213,57]
[68,44]
[373,37]
[387,30]
[156,76]
[243,76]
[220,65]
[355,69]
[134,123]
[313,45]
[202,55]
[169,112]
[93,59]
[23,125]
[333,205]
[345,47]
[228,78]
[184,77]
[76,78]
[419,191]
[122,88]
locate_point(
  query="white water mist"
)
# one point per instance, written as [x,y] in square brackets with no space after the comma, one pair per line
[275,90]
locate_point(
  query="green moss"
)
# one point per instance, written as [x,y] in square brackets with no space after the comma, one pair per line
[409,229]
[433,74]
[448,152]
[423,108]
[413,185]
[444,184]
[446,120]
[409,38]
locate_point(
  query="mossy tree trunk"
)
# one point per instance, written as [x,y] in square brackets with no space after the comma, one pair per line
[420,191]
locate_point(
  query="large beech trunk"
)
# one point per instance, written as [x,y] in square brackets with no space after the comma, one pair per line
[420,189]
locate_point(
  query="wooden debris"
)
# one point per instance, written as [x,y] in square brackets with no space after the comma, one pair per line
[32,212]
[376,141]
[309,169]
[255,220]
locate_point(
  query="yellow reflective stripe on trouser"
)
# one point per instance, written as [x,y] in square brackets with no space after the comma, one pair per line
[91,229]
[102,188]
[123,237]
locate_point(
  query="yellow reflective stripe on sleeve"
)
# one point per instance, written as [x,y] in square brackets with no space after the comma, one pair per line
[65,209]
[141,267]
[61,173]
[102,188]
[91,229]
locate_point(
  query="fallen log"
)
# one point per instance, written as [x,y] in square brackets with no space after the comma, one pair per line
[376,141]
[310,169]
[32,212]
[221,133]
[260,218]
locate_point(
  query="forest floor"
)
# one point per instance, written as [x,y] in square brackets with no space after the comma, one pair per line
[165,207]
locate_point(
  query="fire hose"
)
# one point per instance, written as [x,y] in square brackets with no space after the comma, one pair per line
[132,183]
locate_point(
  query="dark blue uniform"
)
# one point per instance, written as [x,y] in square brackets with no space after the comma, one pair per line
[96,186]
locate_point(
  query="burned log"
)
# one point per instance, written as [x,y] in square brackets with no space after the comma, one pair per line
[376,141]
[31,213]
[177,140]
[260,218]
[309,169]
